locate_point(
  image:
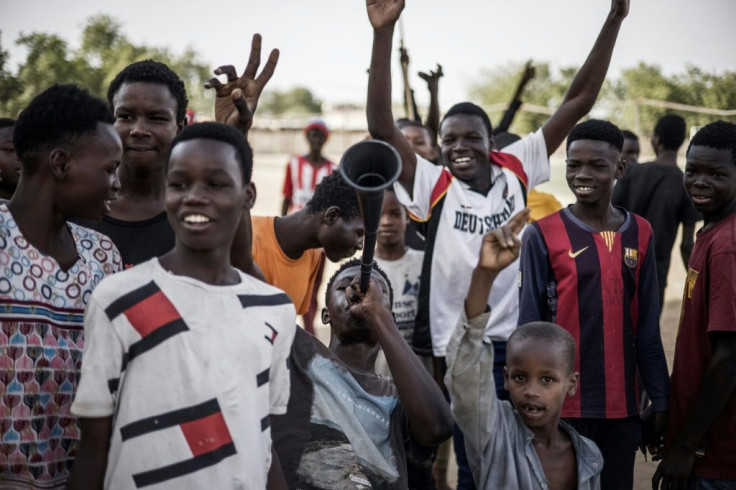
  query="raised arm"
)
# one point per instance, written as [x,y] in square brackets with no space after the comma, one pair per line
[430,422]
[433,85]
[383,15]
[587,83]
[469,376]
[236,100]
[510,113]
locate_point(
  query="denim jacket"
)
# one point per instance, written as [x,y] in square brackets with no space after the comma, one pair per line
[499,445]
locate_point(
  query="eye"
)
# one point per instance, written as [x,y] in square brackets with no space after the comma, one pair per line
[519,378]
[547,379]
[123,117]
[175,184]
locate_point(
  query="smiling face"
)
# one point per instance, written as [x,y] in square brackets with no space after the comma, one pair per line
[710,181]
[538,379]
[205,194]
[344,326]
[592,169]
[145,118]
[465,144]
[9,164]
[392,226]
[91,181]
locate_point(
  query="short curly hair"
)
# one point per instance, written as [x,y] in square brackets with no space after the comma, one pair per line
[720,135]
[671,130]
[548,333]
[470,109]
[629,135]
[356,262]
[150,71]
[58,116]
[218,132]
[597,130]
[335,191]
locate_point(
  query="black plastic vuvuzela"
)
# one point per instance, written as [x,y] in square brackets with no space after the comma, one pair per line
[370,167]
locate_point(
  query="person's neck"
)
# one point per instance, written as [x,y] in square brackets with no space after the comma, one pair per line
[392,251]
[296,233]
[315,158]
[6,194]
[712,219]
[550,435]
[141,195]
[211,266]
[41,222]
[667,157]
[600,216]
[358,355]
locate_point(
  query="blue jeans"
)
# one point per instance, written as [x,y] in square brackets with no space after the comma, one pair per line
[464,475]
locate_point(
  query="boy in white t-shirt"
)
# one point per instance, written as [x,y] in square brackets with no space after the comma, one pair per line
[186,355]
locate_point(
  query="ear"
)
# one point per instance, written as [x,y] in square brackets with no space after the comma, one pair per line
[574,383]
[506,378]
[250,195]
[331,215]
[325,317]
[620,168]
[181,125]
[58,161]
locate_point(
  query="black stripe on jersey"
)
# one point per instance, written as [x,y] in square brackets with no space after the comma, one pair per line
[156,337]
[262,377]
[629,239]
[112,385]
[169,419]
[131,299]
[185,467]
[249,300]
[590,311]
[421,341]
[265,423]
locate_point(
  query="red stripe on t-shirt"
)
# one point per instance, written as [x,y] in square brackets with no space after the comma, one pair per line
[151,313]
[440,188]
[612,291]
[558,243]
[206,434]
[509,161]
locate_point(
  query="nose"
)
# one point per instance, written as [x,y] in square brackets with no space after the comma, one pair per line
[195,195]
[139,127]
[115,185]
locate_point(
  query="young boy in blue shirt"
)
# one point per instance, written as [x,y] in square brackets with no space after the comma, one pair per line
[524,445]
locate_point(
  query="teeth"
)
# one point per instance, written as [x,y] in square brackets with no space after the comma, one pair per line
[196,218]
[462,160]
[580,188]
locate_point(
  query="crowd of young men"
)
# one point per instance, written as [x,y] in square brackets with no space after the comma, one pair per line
[148,322]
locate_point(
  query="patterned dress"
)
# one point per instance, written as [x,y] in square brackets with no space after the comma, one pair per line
[41,342]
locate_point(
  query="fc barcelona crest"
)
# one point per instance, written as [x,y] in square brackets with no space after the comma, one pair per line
[631,257]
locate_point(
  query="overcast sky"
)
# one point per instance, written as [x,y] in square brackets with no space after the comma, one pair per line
[325,44]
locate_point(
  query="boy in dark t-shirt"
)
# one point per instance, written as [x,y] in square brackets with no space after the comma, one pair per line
[702,421]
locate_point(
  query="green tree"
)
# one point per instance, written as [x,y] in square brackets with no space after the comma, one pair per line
[297,100]
[104,51]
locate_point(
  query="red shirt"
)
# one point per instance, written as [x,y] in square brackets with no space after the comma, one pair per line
[301,179]
[708,305]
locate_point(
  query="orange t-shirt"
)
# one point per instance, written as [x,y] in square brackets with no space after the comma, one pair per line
[296,277]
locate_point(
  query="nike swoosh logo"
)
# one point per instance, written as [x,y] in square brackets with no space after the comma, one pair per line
[575,254]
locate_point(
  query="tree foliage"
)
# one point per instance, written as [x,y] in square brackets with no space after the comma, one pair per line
[297,100]
[104,51]
[622,99]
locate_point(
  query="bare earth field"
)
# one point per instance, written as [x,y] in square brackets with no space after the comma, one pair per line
[268,175]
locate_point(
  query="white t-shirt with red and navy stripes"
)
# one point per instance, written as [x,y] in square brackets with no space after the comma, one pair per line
[190,373]
[454,219]
[301,179]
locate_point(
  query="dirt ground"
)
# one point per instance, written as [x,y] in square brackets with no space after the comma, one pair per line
[268,174]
